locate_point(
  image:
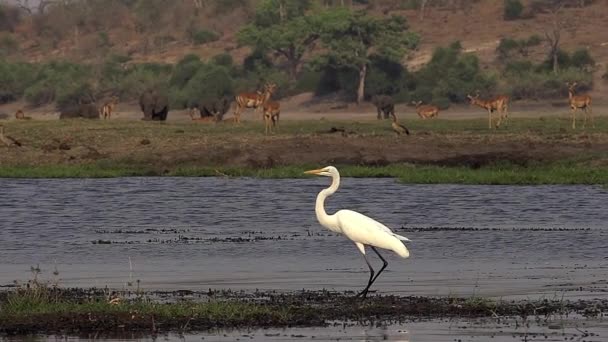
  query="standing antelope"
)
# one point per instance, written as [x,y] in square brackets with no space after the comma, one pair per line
[253,100]
[272,111]
[106,110]
[579,102]
[426,111]
[499,103]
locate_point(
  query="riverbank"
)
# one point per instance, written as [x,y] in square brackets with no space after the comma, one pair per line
[528,151]
[51,311]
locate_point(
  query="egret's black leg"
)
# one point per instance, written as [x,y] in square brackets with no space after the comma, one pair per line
[371,277]
[385,263]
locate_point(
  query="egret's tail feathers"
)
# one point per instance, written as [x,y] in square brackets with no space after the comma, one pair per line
[401,250]
[402,238]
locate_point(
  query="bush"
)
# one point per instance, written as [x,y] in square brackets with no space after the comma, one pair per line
[223,59]
[537,85]
[204,36]
[581,59]
[308,80]
[513,9]
[208,84]
[40,94]
[451,75]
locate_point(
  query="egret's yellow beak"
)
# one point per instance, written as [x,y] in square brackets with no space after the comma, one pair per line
[313,172]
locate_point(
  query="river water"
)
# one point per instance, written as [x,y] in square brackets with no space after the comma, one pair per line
[242,233]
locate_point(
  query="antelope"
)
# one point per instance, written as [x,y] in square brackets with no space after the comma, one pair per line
[253,100]
[19,115]
[499,103]
[426,111]
[106,110]
[397,127]
[272,111]
[7,140]
[577,102]
[203,119]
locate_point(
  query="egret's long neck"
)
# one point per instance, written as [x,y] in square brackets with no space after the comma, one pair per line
[328,221]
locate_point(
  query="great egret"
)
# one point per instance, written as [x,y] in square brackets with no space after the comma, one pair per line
[360,229]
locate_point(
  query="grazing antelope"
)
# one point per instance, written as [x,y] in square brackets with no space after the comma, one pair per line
[253,100]
[499,103]
[19,115]
[204,119]
[106,110]
[426,111]
[577,102]
[272,111]
[7,140]
[397,127]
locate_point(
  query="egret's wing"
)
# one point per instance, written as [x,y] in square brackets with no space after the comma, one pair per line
[362,222]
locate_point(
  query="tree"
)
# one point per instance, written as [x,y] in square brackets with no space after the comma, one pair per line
[352,38]
[290,38]
[553,34]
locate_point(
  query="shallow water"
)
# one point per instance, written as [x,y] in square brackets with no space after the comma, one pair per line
[421,331]
[199,233]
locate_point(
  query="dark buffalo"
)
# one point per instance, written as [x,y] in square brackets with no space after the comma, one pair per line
[384,104]
[80,110]
[216,108]
[154,105]
[82,106]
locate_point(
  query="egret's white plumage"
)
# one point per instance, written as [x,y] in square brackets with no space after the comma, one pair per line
[362,230]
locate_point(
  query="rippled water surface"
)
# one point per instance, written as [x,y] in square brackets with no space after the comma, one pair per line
[197,233]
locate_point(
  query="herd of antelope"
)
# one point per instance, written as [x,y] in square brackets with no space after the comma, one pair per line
[261,101]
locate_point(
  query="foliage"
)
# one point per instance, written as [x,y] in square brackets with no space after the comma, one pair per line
[513,9]
[290,37]
[524,80]
[352,38]
[451,75]
[8,44]
[223,59]
[204,36]
[508,47]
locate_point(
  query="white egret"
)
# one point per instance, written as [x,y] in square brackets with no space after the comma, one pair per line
[360,229]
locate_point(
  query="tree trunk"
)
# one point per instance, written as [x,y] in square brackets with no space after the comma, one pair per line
[555,61]
[293,69]
[361,88]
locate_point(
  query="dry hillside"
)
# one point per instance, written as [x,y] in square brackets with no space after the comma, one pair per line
[479,28]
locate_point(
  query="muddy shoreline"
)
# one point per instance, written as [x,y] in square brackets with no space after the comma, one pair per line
[88,311]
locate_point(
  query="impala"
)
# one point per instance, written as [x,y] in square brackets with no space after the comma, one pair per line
[426,111]
[253,100]
[499,103]
[106,110]
[577,102]
[272,111]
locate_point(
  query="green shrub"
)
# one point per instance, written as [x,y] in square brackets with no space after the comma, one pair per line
[545,84]
[581,59]
[8,44]
[40,94]
[308,80]
[451,74]
[185,69]
[204,36]
[513,9]
[223,59]
[209,83]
